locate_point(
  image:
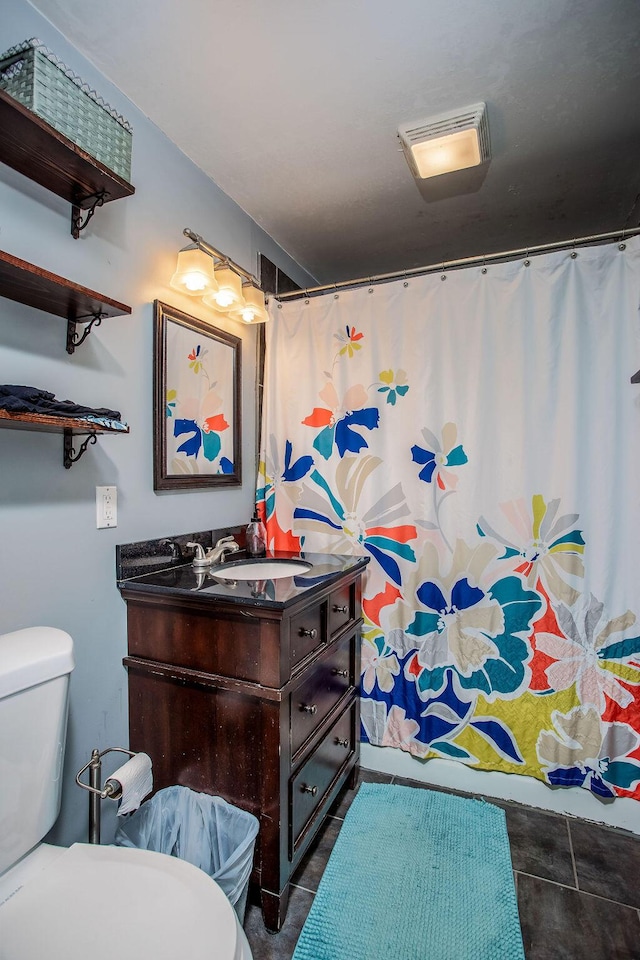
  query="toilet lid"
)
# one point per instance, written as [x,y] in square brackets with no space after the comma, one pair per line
[102,902]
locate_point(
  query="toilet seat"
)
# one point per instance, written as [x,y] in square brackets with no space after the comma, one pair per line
[102,902]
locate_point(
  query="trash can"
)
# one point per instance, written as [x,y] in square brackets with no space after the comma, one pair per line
[204,830]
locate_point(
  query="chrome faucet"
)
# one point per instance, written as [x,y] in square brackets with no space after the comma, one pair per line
[224,545]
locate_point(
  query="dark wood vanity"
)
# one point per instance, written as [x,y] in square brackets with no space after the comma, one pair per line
[255,700]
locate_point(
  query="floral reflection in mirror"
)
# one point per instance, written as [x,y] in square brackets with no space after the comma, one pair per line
[196,403]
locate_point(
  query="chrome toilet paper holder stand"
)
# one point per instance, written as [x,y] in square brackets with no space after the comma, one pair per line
[112,788]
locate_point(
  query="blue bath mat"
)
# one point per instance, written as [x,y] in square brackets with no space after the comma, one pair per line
[416,875]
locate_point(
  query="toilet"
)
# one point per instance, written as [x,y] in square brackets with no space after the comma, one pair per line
[88,900]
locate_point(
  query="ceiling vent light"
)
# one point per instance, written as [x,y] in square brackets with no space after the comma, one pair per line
[446,142]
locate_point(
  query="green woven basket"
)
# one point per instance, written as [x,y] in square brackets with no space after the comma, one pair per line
[38,79]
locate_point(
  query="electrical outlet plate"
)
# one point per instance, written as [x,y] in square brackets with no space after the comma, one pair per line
[106,507]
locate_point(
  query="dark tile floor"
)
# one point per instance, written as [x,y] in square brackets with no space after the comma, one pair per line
[578,885]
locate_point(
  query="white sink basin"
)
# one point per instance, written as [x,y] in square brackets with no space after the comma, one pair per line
[265,568]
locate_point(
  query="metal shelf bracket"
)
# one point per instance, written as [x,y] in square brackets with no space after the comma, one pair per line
[70,455]
[77,212]
[74,340]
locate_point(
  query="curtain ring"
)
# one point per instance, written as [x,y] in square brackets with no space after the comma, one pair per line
[484,264]
[527,262]
[574,252]
[444,276]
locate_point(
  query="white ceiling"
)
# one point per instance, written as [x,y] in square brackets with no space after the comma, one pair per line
[292,108]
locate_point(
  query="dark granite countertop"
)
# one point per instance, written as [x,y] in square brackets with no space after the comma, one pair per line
[183,580]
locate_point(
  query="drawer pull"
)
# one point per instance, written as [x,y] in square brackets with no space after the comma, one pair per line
[309,708]
[340,673]
[313,633]
[305,788]
[342,743]
[337,609]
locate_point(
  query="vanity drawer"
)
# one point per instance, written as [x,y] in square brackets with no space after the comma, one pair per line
[316,697]
[315,777]
[307,632]
[341,607]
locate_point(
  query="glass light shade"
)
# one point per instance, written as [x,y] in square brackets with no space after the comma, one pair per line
[456,151]
[194,273]
[453,140]
[253,310]
[228,295]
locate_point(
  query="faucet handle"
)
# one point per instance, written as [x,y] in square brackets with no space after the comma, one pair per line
[224,540]
[200,559]
[223,546]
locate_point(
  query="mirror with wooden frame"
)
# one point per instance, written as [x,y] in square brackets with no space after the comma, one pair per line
[197,417]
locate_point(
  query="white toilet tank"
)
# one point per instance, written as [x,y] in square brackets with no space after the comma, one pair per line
[35,665]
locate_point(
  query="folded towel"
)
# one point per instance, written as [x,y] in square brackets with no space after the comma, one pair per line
[21,399]
[28,394]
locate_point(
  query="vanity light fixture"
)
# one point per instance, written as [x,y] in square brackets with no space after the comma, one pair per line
[202,271]
[228,295]
[194,273]
[446,142]
[253,309]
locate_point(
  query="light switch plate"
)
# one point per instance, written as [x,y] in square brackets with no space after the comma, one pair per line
[106,507]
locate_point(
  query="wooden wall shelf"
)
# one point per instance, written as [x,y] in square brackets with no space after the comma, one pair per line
[33,147]
[48,423]
[35,287]
[25,283]
[68,426]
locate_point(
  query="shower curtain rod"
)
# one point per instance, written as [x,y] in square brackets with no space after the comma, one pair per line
[464,262]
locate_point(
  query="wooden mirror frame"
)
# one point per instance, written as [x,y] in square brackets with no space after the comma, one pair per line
[210,436]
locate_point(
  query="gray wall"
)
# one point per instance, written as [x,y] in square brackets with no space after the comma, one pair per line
[56,568]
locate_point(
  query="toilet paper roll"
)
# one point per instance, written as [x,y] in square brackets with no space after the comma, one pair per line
[136,781]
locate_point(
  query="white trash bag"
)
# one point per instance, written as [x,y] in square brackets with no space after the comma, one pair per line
[203,830]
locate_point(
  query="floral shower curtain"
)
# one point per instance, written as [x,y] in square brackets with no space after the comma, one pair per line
[476,434]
